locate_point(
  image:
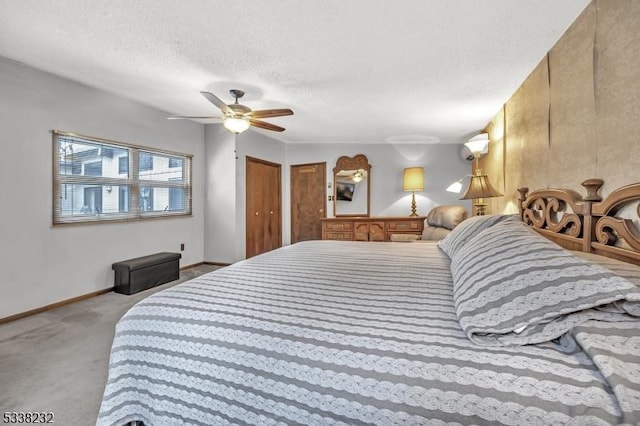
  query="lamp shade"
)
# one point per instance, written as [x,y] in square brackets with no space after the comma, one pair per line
[480,187]
[236,125]
[413,179]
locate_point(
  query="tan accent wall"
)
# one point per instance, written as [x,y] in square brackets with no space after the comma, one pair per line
[577,115]
[493,164]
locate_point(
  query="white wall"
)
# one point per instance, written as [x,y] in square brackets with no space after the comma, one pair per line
[225,213]
[41,264]
[220,229]
[442,166]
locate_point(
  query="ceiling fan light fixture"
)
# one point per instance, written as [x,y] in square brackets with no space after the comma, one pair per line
[236,125]
[237,118]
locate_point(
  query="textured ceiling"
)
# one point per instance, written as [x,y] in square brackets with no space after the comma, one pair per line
[352,70]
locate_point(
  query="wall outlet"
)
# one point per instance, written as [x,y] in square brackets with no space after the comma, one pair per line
[182,247]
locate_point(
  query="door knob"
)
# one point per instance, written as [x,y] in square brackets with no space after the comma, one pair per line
[321,210]
[257,213]
[271,212]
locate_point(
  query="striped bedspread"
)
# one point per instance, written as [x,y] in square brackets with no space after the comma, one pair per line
[344,333]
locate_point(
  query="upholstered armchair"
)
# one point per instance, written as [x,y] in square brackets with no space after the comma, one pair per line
[441,220]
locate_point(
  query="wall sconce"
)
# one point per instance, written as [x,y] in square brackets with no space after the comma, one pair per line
[478,145]
[412,181]
[108,188]
[479,185]
[357,176]
[456,186]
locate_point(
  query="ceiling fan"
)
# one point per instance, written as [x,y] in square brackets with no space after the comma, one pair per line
[352,175]
[237,118]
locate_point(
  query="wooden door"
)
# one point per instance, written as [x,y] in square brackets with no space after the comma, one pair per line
[308,195]
[263,213]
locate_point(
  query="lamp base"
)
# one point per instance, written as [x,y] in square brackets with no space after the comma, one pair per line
[479,207]
[414,207]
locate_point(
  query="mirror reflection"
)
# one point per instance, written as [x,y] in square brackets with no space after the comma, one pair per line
[351,186]
[351,192]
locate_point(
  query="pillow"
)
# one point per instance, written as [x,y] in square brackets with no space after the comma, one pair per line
[446,216]
[434,233]
[467,229]
[628,271]
[511,286]
[625,270]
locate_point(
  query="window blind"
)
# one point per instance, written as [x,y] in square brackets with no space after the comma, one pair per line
[96,180]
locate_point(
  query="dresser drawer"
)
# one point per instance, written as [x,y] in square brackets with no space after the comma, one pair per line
[404,225]
[346,236]
[338,226]
[375,228]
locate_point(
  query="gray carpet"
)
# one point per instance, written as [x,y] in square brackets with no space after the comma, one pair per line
[57,361]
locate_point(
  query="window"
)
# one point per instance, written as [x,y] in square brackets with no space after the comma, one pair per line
[92,200]
[93,169]
[146,198]
[123,165]
[97,180]
[123,199]
[146,161]
[176,198]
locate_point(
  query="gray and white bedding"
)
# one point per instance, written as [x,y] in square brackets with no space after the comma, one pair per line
[332,332]
[513,286]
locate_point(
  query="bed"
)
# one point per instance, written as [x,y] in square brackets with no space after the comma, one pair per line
[449,332]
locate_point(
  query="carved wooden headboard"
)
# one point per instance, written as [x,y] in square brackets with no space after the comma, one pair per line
[590,223]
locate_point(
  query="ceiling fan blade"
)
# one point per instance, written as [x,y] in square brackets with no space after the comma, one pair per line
[217,102]
[267,126]
[266,113]
[186,117]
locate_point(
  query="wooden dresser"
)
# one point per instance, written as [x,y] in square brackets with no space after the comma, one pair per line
[370,228]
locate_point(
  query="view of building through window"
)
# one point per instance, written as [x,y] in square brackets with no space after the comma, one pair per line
[100,180]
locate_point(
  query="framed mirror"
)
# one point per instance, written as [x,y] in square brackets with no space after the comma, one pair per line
[351,186]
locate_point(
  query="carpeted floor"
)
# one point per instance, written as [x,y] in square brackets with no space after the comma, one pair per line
[57,361]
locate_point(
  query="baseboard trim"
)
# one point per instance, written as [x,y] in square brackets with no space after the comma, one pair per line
[216,263]
[84,297]
[54,305]
[193,265]
[182,268]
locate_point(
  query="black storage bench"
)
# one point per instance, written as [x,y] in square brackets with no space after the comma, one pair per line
[141,273]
